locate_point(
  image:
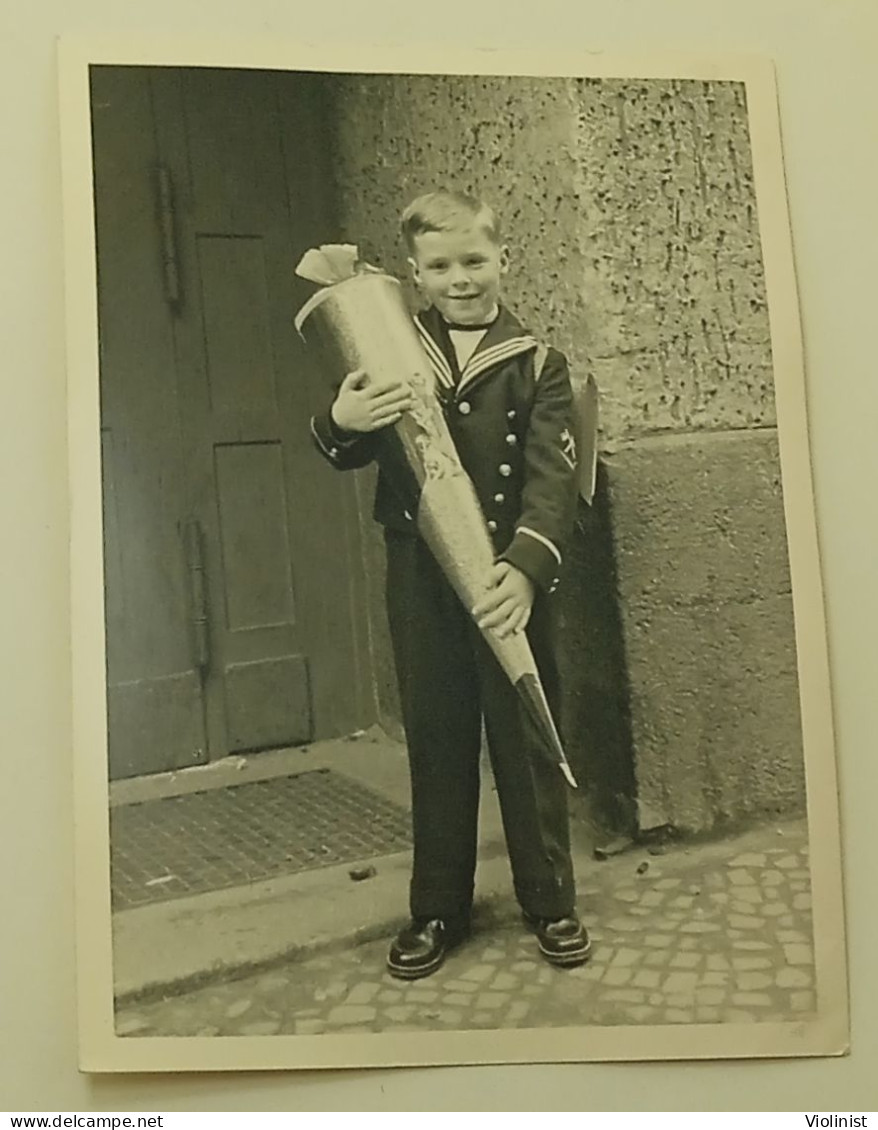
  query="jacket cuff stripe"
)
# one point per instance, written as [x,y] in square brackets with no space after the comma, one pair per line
[553,549]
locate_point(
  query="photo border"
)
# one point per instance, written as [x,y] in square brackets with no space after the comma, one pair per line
[100,1050]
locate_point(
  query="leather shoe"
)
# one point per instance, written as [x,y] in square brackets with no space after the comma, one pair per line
[563,941]
[420,948]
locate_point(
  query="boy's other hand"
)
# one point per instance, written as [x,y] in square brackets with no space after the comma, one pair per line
[365,406]
[505,607]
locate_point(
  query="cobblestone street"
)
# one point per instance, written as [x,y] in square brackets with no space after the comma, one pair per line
[710,933]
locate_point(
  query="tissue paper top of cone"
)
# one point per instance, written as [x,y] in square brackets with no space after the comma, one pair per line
[330,265]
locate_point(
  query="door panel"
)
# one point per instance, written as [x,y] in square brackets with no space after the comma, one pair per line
[207,395]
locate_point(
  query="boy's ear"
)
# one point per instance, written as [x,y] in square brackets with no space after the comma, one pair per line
[504,258]
[413,266]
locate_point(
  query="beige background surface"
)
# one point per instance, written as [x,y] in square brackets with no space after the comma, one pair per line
[824,53]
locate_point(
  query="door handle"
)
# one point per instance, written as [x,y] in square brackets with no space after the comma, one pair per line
[193,542]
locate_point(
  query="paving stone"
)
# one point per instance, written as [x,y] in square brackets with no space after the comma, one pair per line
[261,1028]
[652,898]
[353,1014]
[792,978]
[589,972]
[698,927]
[680,1000]
[680,982]
[208,1030]
[800,873]
[656,999]
[719,897]
[679,1015]
[747,982]
[659,941]
[523,966]
[685,961]
[682,902]
[493,953]
[738,907]
[624,925]
[666,884]
[272,983]
[238,1009]
[646,979]
[709,995]
[421,996]
[491,1000]
[449,1016]
[640,1013]
[389,996]
[364,993]
[772,878]
[757,1000]
[657,958]
[749,859]
[738,1016]
[787,863]
[746,922]
[799,885]
[797,954]
[504,982]
[624,996]
[478,973]
[745,963]
[747,895]
[616,976]
[785,936]
[624,956]
[627,894]
[457,999]
[788,921]
[484,1019]
[705,1014]
[399,1012]
[740,878]
[459,986]
[774,909]
[750,944]
[640,911]
[518,1010]
[802,1001]
[689,942]
[717,961]
[802,902]
[715,977]
[315,1027]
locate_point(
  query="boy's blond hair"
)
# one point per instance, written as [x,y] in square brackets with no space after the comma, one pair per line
[443,210]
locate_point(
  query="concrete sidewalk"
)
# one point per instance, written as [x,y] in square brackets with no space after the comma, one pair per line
[183,942]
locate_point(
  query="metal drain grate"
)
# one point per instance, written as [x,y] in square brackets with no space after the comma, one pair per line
[164,849]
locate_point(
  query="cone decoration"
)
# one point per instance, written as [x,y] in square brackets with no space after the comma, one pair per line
[359,320]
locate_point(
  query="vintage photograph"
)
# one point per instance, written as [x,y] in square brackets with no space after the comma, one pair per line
[453,666]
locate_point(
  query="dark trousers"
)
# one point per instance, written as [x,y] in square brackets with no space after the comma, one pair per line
[448,681]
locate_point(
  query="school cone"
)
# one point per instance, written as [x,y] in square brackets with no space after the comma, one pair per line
[362,322]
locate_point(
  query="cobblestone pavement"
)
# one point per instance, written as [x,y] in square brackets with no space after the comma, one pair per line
[712,933]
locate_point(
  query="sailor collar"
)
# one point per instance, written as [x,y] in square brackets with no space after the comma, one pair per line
[503,340]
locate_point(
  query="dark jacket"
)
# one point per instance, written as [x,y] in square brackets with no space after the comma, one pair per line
[510,414]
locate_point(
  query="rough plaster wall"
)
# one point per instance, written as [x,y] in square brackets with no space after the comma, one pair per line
[628,209]
[630,215]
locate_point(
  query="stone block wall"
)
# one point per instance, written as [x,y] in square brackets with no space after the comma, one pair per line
[630,214]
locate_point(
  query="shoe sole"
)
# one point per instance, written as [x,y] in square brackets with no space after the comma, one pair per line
[566,960]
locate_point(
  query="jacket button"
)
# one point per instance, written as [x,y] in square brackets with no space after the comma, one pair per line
[505,470]
[510,415]
[408,516]
[499,497]
[333,451]
[464,408]
[512,440]
[492,526]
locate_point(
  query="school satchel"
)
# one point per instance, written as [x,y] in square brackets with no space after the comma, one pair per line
[585,412]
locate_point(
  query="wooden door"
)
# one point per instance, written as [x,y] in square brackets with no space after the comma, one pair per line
[249,559]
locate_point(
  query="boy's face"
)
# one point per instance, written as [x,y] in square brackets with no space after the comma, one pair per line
[459,271]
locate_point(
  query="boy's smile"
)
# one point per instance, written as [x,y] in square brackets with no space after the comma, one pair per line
[459,271]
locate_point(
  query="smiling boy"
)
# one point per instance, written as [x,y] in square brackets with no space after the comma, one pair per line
[508,403]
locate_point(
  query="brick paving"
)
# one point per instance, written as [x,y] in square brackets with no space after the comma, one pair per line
[706,934]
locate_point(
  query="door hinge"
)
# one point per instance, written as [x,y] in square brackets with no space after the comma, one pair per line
[167,220]
[193,540]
